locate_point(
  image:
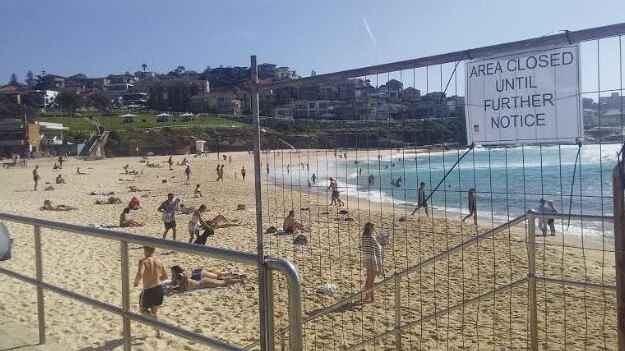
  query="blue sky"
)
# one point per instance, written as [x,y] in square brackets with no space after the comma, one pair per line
[100,37]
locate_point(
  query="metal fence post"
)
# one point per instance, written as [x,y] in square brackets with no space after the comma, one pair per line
[271,342]
[260,246]
[397,312]
[39,272]
[619,251]
[531,278]
[125,294]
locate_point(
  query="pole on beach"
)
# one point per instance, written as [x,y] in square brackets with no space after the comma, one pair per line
[125,294]
[39,273]
[531,278]
[619,250]
[260,250]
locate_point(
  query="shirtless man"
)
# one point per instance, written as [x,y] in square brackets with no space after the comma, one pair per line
[152,272]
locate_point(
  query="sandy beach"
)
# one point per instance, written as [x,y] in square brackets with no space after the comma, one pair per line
[332,255]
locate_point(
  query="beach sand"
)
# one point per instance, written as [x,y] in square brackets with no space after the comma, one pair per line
[569,318]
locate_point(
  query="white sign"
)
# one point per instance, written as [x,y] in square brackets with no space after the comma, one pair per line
[531,97]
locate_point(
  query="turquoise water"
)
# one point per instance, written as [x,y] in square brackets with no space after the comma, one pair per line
[508,181]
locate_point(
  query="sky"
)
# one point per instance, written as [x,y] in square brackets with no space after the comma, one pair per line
[99,37]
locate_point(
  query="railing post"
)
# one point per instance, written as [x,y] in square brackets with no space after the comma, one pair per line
[271,338]
[39,272]
[397,312]
[125,294]
[260,246]
[619,251]
[531,278]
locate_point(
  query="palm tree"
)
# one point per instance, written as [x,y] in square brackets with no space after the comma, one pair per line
[144,66]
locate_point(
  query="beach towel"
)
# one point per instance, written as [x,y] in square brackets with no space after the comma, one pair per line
[172,290]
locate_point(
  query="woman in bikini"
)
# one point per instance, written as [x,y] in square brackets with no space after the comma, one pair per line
[48,206]
[202,278]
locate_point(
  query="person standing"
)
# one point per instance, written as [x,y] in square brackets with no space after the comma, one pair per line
[421,200]
[217,171]
[334,199]
[267,168]
[187,172]
[61,162]
[313,178]
[472,206]
[542,220]
[169,208]
[36,176]
[170,162]
[371,259]
[151,271]
[243,171]
[221,172]
[550,222]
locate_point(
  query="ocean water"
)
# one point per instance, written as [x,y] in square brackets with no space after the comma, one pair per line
[509,181]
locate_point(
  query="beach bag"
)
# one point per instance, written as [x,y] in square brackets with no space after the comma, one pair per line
[201,240]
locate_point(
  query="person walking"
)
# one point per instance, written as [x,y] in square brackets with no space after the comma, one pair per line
[151,271]
[168,209]
[421,200]
[371,259]
[334,198]
[472,206]
[36,176]
[243,171]
[550,221]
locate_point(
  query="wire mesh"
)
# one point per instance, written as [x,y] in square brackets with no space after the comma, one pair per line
[380,137]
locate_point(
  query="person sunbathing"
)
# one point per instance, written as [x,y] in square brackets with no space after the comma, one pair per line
[202,278]
[290,224]
[48,206]
[124,221]
[78,172]
[110,201]
[220,221]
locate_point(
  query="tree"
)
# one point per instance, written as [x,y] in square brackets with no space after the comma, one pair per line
[30,79]
[68,101]
[144,66]
[13,80]
[177,72]
[100,101]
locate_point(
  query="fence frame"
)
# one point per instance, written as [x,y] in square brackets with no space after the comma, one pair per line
[268,264]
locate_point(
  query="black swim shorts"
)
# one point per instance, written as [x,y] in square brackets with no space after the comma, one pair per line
[152,297]
[170,225]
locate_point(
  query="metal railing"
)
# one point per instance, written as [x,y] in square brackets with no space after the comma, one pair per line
[530,279]
[269,264]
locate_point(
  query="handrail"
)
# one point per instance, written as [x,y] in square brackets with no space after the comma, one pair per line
[413,268]
[272,263]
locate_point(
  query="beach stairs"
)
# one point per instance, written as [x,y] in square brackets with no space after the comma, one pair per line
[95,147]
[17,337]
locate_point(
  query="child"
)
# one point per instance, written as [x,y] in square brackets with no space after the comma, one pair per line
[197,192]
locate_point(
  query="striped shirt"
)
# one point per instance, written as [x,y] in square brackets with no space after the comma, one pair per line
[370,246]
